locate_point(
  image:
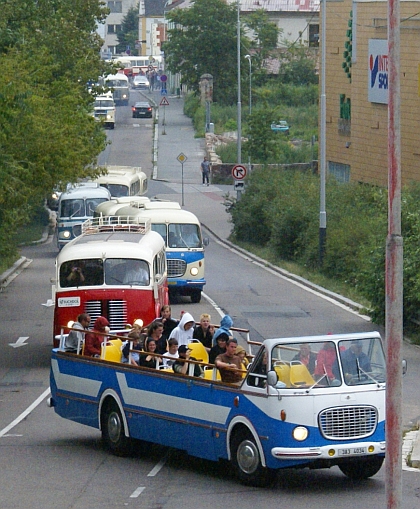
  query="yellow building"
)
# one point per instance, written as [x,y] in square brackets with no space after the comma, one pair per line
[357,95]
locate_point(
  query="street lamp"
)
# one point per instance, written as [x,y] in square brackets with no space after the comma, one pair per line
[248,57]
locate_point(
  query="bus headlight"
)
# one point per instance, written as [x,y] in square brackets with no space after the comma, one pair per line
[300,433]
[66,234]
[194,271]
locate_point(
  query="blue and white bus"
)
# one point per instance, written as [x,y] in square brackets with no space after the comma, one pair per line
[75,206]
[282,415]
[185,244]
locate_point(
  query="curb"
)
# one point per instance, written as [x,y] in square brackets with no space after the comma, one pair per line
[415,453]
[7,275]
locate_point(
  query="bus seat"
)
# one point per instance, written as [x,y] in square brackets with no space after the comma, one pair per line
[112,351]
[211,373]
[198,351]
[299,375]
[283,372]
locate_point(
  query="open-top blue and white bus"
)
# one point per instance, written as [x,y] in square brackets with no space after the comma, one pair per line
[284,413]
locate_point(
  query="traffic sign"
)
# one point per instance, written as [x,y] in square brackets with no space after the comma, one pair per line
[163,77]
[239,172]
[182,158]
[164,92]
[164,102]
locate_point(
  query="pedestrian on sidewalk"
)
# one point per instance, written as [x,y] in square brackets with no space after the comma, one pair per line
[205,171]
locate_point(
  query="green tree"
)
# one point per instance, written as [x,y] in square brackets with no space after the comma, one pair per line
[129,33]
[49,51]
[298,66]
[202,39]
[264,40]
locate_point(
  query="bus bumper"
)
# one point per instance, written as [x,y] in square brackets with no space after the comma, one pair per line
[333,451]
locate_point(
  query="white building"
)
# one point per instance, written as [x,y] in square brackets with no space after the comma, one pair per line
[119,9]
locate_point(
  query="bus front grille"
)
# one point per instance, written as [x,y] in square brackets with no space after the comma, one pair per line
[349,422]
[114,310]
[176,268]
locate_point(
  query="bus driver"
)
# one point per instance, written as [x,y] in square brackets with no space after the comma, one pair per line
[136,273]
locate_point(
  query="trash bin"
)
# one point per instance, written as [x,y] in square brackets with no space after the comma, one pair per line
[211,128]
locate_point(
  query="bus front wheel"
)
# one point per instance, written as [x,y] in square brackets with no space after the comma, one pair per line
[196,296]
[363,468]
[246,461]
[112,425]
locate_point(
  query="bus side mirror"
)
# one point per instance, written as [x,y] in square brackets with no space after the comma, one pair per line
[404,367]
[206,241]
[272,378]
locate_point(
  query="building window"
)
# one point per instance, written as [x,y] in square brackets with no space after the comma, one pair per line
[314,35]
[115,6]
[340,171]
[114,29]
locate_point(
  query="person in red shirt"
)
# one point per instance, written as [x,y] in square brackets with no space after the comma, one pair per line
[325,360]
[94,340]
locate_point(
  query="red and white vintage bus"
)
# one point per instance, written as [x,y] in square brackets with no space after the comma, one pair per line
[117,270]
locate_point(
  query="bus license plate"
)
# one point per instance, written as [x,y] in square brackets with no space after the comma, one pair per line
[351,452]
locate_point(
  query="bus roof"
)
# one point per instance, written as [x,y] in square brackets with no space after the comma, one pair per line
[111,207]
[115,244]
[117,76]
[123,169]
[86,190]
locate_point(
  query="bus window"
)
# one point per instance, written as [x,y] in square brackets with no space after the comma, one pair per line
[126,272]
[81,273]
[72,208]
[190,235]
[116,189]
[161,229]
[91,204]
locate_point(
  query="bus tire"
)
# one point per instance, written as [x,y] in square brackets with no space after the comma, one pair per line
[113,433]
[363,468]
[246,460]
[196,296]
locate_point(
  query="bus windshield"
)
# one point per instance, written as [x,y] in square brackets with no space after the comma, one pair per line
[314,365]
[79,207]
[97,272]
[117,83]
[117,190]
[184,236]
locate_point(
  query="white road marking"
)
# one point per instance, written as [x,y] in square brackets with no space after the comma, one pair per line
[137,492]
[19,342]
[25,413]
[157,468]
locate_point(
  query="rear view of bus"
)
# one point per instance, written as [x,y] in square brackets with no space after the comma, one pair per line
[75,206]
[117,270]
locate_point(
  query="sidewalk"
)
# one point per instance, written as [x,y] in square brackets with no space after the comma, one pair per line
[207,202]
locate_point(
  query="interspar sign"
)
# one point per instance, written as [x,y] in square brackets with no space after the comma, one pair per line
[378,71]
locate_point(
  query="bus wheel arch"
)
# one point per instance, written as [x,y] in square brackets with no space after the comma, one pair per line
[247,456]
[113,425]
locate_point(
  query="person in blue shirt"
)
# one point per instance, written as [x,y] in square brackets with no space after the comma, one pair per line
[354,361]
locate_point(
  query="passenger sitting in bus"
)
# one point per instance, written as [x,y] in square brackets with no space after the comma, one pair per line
[219,347]
[155,331]
[93,341]
[184,331]
[168,322]
[204,331]
[241,353]
[182,366]
[325,360]
[76,276]
[189,235]
[134,338]
[306,357]
[229,364]
[74,341]
[147,360]
[171,355]
[136,274]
